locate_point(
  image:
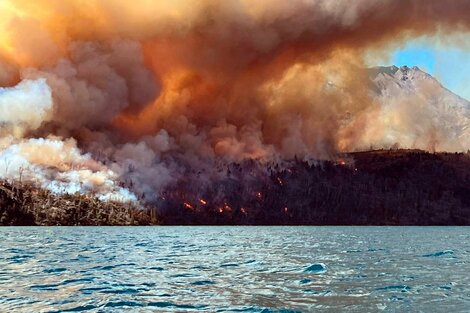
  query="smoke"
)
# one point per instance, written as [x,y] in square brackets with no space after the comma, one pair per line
[58,165]
[25,106]
[144,93]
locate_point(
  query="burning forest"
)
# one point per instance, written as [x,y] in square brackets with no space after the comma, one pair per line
[224,112]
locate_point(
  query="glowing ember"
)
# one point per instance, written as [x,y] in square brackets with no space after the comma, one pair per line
[259,195]
[221,210]
[286,210]
[279,180]
[202,201]
[188,206]
[341,162]
[243,211]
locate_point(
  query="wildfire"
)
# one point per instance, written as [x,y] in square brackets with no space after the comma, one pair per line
[188,206]
[122,99]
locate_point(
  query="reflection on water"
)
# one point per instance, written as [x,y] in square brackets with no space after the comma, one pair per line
[235,269]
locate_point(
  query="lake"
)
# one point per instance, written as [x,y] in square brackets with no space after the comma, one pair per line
[235,269]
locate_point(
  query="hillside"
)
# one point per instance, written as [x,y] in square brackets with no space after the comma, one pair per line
[384,187]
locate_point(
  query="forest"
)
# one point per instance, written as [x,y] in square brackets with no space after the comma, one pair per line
[382,187]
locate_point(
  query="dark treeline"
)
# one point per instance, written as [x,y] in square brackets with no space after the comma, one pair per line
[385,187]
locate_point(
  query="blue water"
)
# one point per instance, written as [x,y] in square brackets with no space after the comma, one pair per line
[235,269]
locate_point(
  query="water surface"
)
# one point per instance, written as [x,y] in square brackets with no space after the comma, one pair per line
[235,269]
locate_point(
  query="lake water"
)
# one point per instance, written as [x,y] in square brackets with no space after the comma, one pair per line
[235,269]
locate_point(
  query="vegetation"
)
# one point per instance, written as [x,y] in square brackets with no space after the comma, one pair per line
[25,204]
[384,187]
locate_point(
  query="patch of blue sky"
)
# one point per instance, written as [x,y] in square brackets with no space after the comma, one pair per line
[449,64]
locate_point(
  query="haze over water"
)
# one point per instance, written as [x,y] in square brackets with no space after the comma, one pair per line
[235,269]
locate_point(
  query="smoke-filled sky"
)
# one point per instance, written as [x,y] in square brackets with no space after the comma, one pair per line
[102,95]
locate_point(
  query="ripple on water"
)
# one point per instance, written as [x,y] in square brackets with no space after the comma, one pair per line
[91,290]
[229,265]
[112,267]
[279,311]
[44,287]
[203,282]
[254,309]
[401,288]
[183,275]
[249,261]
[80,308]
[317,268]
[123,304]
[55,270]
[20,258]
[77,280]
[439,253]
[162,304]
[124,291]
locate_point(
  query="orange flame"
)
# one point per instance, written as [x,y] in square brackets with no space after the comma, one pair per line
[188,206]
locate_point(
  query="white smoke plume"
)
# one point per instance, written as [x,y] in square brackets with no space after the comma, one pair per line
[25,106]
[58,165]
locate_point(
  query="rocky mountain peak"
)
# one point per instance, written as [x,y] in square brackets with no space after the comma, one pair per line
[430,106]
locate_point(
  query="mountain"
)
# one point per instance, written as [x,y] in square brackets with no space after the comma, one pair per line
[416,111]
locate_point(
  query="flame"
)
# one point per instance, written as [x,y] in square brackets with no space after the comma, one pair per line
[188,206]
[341,162]
[203,202]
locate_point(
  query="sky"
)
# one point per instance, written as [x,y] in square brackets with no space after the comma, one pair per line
[449,64]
